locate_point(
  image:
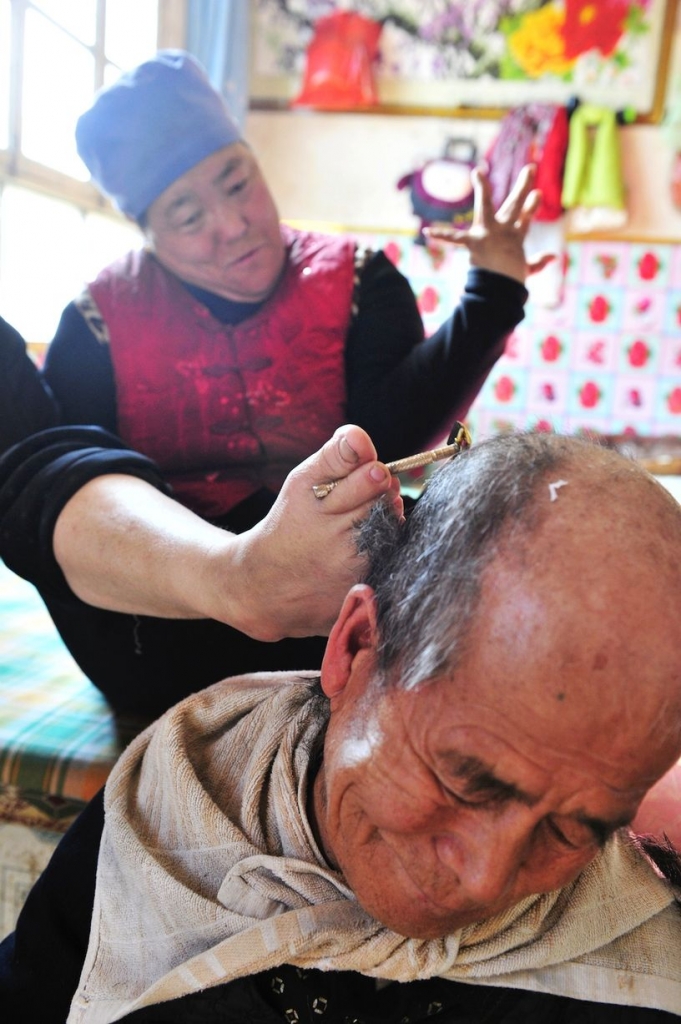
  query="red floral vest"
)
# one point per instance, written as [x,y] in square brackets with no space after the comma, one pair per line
[226,410]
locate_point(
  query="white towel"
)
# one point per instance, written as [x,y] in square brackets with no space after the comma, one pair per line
[209,871]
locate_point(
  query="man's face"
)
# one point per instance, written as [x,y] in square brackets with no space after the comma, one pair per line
[448,804]
[217,227]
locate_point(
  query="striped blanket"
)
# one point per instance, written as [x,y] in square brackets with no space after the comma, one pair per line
[58,737]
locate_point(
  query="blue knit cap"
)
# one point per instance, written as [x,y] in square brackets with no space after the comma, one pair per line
[152,126]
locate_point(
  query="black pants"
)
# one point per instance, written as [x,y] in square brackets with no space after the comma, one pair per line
[144,665]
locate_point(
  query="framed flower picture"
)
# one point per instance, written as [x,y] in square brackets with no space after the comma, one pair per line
[469,56]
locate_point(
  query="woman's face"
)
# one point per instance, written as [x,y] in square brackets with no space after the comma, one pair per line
[217,227]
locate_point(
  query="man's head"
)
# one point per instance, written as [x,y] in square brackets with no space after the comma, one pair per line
[508,687]
[162,144]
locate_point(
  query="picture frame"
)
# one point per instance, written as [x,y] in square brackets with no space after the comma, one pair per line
[477,59]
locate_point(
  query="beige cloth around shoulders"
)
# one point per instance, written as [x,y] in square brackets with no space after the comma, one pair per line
[209,871]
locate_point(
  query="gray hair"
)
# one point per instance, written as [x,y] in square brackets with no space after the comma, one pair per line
[431,566]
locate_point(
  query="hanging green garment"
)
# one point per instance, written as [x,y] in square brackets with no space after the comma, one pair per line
[592,178]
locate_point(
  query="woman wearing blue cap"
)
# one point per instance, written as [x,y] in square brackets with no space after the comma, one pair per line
[207,366]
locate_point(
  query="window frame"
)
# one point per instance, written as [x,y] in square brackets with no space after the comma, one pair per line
[15,167]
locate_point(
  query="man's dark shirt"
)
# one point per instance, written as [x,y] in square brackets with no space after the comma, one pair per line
[40,966]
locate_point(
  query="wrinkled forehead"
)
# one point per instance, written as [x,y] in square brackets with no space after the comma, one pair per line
[522,743]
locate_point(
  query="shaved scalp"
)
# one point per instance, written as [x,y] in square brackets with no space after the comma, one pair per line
[533,498]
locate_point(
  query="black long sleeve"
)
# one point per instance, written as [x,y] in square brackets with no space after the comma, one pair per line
[404,392]
[26,400]
[37,478]
[79,372]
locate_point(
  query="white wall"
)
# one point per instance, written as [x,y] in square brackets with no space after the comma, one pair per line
[344,168]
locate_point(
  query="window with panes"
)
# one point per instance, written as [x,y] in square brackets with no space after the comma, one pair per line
[56,230]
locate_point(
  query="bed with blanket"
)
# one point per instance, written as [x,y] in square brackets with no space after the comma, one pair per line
[58,741]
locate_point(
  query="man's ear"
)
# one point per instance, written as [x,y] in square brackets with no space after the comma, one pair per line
[353,634]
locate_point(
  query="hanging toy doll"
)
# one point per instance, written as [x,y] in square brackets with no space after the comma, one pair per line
[442,191]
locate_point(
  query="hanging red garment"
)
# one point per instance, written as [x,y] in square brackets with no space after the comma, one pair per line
[340,61]
[550,167]
[534,133]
